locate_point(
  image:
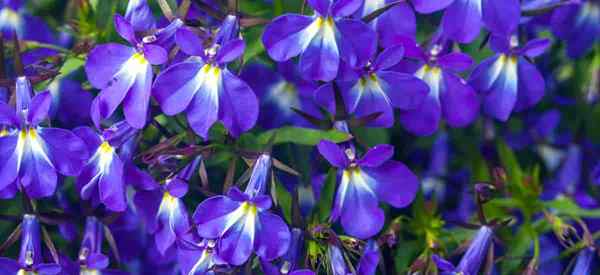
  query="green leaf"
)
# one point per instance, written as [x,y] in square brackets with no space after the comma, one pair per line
[283,199]
[303,136]
[566,206]
[71,64]
[255,46]
[323,209]
[511,164]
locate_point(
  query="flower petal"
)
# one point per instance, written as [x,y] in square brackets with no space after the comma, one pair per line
[405,91]
[333,153]
[289,35]
[393,182]
[501,16]
[212,216]
[377,155]
[460,103]
[272,238]
[462,20]
[357,42]
[428,6]
[175,87]
[39,107]
[321,59]
[67,151]
[531,85]
[124,29]
[238,104]
[135,103]
[361,216]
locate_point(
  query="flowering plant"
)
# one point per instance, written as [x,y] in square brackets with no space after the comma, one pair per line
[299,137]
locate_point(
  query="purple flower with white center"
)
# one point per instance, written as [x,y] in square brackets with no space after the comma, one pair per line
[197,256]
[101,180]
[463,19]
[472,259]
[139,15]
[281,90]
[33,155]
[30,255]
[508,81]
[241,222]
[365,181]
[450,97]
[321,40]
[124,75]
[15,19]
[205,89]
[578,24]
[395,26]
[375,89]
[163,209]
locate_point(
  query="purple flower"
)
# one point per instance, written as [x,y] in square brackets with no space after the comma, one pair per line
[241,222]
[508,81]
[289,260]
[90,259]
[163,209]
[321,40]
[579,25]
[205,89]
[281,90]
[15,19]
[33,155]
[395,26]
[449,95]
[472,259]
[365,181]
[139,15]
[124,75]
[197,256]
[30,255]
[375,89]
[583,265]
[463,19]
[101,180]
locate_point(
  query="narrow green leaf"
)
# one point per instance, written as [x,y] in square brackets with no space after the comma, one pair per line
[303,136]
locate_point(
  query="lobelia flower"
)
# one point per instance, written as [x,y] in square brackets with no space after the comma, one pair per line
[30,255]
[197,256]
[450,97]
[101,180]
[375,89]
[472,259]
[124,75]
[163,210]
[281,90]
[508,81]
[139,15]
[583,264]
[289,260]
[33,155]
[395,26]
[579,25]
[15,19]
[463,19]
[321,40]
[241,222]
[90,259]
[367,264]
[205,89]
[365,181]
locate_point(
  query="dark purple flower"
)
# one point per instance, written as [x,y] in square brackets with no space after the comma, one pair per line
[375,89]
[139,15]
[205,89]
[578,24]
[365,181]
[33,155]
[508,81]
[124,75]
[30,255]
[472,259]
[241,222]
[321,40]
[90,258]
[101,180]
[163,209]
[449,95]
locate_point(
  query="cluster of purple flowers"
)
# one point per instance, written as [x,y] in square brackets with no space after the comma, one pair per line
[174,95]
